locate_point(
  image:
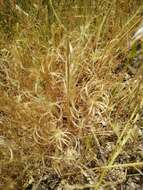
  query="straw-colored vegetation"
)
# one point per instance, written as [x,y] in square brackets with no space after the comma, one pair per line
[71,86]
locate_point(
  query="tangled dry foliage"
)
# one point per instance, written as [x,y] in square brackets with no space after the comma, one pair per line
[69,119]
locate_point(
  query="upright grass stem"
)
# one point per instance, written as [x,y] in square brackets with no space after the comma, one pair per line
[67,74]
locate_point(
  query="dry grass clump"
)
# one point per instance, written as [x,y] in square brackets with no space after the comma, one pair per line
[69,118]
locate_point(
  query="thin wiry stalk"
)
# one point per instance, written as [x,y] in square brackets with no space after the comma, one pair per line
[67,74]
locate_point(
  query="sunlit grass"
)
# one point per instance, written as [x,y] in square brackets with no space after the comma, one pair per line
[64,110]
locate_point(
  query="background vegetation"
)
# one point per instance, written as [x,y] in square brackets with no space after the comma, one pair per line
[71,95]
